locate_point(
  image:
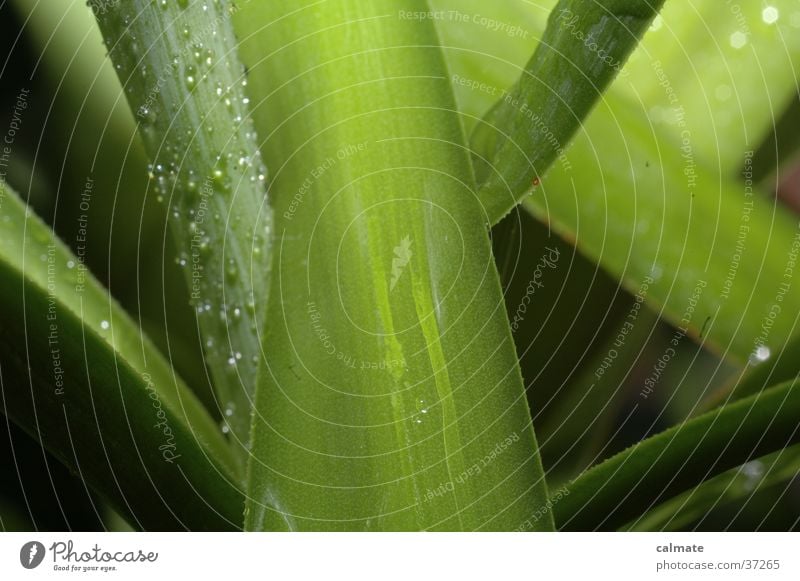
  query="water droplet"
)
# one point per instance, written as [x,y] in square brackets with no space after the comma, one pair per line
[723,92]
[738,39]
[232,272]
[753,473]
[658,22]
[104,325]
[770,14]
[761,354]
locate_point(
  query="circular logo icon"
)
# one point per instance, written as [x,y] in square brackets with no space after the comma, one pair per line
[31,554]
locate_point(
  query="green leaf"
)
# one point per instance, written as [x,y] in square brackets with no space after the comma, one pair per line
[88,133]
[718,257]
[730,67]
[391,398]
[584,46]
[13,518]
[78,375]
[779,366]
[621,185]
[577,335]
[486,47]
[732,489]
[178,64]
[634,481]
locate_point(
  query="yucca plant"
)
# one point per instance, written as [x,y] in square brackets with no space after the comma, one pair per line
[327,265]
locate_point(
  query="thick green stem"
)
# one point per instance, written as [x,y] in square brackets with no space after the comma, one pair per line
[392,397]
[583,48]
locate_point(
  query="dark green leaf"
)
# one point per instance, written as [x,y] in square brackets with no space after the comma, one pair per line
[636,480]
[77,374]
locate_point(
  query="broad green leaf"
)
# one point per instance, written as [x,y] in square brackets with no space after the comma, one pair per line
[584,46]
[391,398]
[654,470]
[719,258]
[178,64]
[78,375]
[731,67]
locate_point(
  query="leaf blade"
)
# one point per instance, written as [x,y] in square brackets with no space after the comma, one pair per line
[387,430]
[101,397]
[659,467]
